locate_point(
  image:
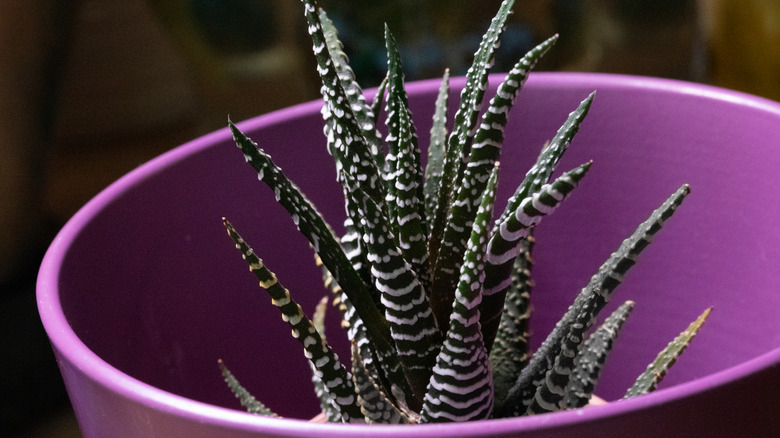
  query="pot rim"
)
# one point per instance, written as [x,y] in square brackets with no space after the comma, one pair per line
[71,348]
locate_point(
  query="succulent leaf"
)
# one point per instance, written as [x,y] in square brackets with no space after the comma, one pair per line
[355,252]
[540,172]
[333,374]
[591,358]
[509,354]
[374,404]
[484,153]
[376,105]
[311,224]
[417,338]
[505,245]
[561,345]
[459,141]
[461,387]
[346,142]
[404,178]
[364,114]
[434,168]
[327,405]
[648,381]
[388,372]
[247,400]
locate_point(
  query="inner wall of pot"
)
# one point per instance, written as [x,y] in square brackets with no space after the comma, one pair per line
[155,287]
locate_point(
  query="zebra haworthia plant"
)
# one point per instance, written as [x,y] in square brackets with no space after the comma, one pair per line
[435,299]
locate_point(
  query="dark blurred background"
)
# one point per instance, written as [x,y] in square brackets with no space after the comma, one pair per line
[90,89]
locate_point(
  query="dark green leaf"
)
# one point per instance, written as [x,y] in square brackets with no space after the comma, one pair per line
[413,328]
[591,358]
[563,342]
[247,400]
[434,168]
[648,381]
[404,176]
[484,153]
[509,354]
[505,245]
[461,388]
[333,374]
[459,142]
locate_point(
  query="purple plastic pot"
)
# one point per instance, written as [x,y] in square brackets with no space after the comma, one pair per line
[143,291]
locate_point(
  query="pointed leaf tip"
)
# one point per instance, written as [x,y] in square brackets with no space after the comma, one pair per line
[656,371]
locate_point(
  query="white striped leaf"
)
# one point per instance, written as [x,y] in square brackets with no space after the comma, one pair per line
[561,345]
[404,178]
[364,113]
[416,336]
[336,379]
[485,151]
[592,356]
[459,141]
[540,172]
[505,245]
[461,387]
[509,353]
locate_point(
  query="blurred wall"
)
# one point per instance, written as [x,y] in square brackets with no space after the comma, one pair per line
[139,77]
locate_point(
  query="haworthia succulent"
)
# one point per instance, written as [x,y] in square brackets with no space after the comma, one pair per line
[504,246]
[484,153]
[648,381]
[461,387]
[404,178]
[591,358]
[436,148]
[334,376]
[416,336]
[557,352]
[247,400]
[435,303]
[458,143]
[509,354]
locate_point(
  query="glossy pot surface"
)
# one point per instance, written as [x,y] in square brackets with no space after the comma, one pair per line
[142,291]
